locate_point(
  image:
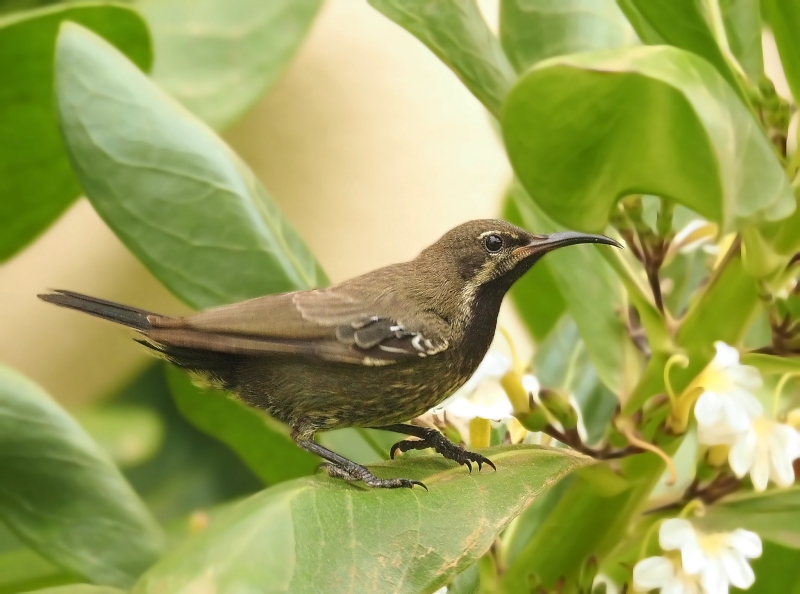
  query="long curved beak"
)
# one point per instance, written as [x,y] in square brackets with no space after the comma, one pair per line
[541,244]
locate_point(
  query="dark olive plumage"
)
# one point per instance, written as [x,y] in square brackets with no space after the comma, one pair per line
[373,351]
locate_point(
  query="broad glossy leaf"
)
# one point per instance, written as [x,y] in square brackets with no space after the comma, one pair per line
[595,299]
[129,435]
[784,18]
[773,515]
[536,295]
[260,442]
[776,570]
[584,130]
[318,534]
[170,189]
[562,362]
[742,20]
[217,57]
[62,496]
[36,180]
[455,31]
[768,364]
[681,23]
[191,471]
[79,589]
[533,30]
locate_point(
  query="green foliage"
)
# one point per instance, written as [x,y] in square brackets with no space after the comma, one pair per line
[80,589]
[261,443]
[140,179]
[534,30]
[784,18]
[594,300]
[62,496]
[693,140]
[455,31]
[318,533]
[604,135]
[218,58]
[36,181]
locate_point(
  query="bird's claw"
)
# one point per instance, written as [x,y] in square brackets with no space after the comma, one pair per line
[446,448]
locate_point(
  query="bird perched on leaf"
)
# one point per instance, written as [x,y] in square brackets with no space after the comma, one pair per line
[374,351]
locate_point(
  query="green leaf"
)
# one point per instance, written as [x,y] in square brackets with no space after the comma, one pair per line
[772,515]
[742,19]
[319,534]
[536,295]
[776,570]
[686,24]
[129,435]
[170,189]
[533,30]
[573,125]
[769,364]
[455,31]
[36,181]
[562,362]
[79,589]
[784,18]
[62,496]
[260,442]
[595,298]
[217,57]
[191,471]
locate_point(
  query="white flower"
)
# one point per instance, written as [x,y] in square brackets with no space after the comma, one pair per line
[766,450]
[717,560]
[482,395]
[666,575]
[727,404]
[695,234]
[729,414]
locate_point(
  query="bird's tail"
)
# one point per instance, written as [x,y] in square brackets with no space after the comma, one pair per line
[108,310]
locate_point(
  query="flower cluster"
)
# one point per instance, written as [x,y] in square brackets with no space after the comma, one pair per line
[729,414]
[698,563]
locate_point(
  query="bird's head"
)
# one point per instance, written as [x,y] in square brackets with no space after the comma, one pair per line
[495,253]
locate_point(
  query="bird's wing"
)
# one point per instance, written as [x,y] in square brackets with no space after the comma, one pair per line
[325,324]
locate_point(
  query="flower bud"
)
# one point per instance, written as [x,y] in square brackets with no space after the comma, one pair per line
[535,419]
[560,407]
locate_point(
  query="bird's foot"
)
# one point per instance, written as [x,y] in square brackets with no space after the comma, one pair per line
[445,447]
[359,473]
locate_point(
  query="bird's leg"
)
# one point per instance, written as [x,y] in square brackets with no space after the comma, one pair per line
[431,438]
[340,467]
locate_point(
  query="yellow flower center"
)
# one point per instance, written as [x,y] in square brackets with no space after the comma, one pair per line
[714,379]
[762,426]
[713,544]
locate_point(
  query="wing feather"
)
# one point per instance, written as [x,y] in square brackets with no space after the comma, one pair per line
[324,324]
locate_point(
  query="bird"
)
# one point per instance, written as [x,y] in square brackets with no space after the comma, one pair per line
[375,351]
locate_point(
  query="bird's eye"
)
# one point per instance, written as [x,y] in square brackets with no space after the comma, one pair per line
[493,243]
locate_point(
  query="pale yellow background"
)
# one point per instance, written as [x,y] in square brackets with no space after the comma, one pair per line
[369,144]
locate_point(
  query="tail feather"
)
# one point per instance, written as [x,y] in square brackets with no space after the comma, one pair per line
[115,312]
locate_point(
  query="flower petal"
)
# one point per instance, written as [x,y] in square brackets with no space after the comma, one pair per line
[735,415]
[530,384]
[745,542]
[694,559]
[653,572]
[708,409]
[713,579]
[759,471]
[675,534]
[726,355]
[743,453]
[737,571]
[781,455]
